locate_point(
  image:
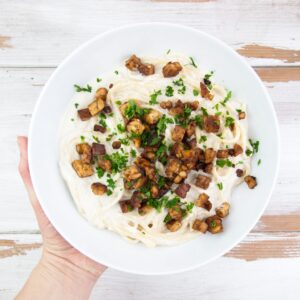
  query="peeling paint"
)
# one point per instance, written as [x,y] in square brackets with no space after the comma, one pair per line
[259,51]
[4,42]
[275,247]
[279,74]
[12,248]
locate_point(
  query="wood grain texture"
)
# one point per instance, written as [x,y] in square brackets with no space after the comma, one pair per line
[34,38]
[283,74]
[43,33]
[226,278]
[259,51]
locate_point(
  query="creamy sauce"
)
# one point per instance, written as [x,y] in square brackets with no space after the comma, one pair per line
[104,211]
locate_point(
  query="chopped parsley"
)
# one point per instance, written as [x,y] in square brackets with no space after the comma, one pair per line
[153,97]
[224,162]
[110,182]
[168,51]
[157,203]
[133,153]
[229,121]
[193,62]
[116,72]
[203,139]
[134,110]
[180,84]
[195,92]
[125,141]
[110,136]
[100,172]
[189,207]
[259,162]
[118,161]
[254,145]
[204,111]
[78,88]
[98,79]
[121,128]
[161,181]
[72,120]
[102,118]
[207,80]
[162,124]
[171,203]
[76,105]
[199,120]
[96,139]
[169,91]
[118,102]
[226,99]
[82,138]
[167,218]
[220,186]
[249,152]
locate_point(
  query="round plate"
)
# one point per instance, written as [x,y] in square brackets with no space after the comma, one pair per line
[102,54]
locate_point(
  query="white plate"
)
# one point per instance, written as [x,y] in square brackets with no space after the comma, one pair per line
[101,55]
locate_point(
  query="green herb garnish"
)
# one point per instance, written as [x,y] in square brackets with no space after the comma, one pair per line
[100,172]
[195,92]
[224,162]
[229,121]
[162,124]
[121,128]
[169,91]
[153,97]
[78,88]
[220,186]
[193,62]
[203,139]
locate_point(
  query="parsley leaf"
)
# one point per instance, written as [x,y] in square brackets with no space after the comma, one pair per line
[220,186]
[153,97]
[118,161]
[195,92]
[78,88]
[229,121]
[207,80]
[100,172]
[254,145]
[169,91]
[193,62]
[121,128]
[224,162]
[162,124]
[133,153]
[203,139]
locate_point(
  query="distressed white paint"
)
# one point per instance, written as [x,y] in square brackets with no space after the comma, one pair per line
[44,32]
[225,278]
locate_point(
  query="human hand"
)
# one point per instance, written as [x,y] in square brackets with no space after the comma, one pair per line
[62,264]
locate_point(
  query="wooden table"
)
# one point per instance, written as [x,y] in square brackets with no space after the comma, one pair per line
[34,38]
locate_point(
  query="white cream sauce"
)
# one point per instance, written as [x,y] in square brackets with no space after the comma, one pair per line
[104,211]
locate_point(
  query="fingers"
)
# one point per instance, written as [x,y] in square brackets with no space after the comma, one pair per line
[24,169]
[25,174]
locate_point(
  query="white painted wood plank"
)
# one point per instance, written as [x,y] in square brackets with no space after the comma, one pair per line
[19,91]
[274,278]
[42,33]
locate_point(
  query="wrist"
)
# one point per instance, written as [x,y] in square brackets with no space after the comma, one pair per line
[67,278]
